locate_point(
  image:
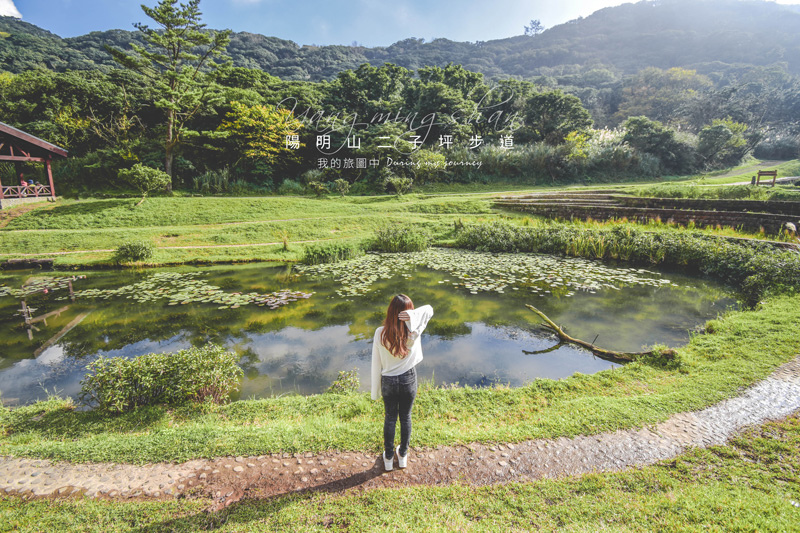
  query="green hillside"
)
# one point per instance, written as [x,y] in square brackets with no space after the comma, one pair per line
[711,36]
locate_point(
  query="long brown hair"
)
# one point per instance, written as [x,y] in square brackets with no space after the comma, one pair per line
[395,334]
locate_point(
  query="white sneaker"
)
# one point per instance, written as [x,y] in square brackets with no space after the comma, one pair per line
[402,460]
[388,464]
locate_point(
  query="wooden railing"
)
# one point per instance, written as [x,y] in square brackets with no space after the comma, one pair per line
[31,191]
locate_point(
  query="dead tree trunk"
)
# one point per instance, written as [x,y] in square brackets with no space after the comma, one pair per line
[608,355]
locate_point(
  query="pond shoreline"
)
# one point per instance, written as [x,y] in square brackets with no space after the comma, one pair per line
[736,351]
[483,335]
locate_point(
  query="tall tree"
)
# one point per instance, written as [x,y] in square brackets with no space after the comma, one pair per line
[260,132]
[179,60]
[535,28]
[551,116]
[659,94]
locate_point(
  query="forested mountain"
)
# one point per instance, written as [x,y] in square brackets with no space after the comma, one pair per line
[710,36]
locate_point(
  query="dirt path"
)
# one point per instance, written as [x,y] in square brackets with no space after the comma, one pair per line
[779,181]
[228,479]
[752,168]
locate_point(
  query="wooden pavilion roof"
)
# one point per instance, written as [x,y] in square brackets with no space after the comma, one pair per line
[16,145]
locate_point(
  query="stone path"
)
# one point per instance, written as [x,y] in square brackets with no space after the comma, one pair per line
[228,479]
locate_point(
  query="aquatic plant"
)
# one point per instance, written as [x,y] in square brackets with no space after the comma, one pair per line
[183,289]
[43,284]
[345,383]
[397,238]
[753,267]
[485,272]
[331,252]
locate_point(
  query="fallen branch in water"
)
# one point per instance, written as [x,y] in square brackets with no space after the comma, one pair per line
[608,355]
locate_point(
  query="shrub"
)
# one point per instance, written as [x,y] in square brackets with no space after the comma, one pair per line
[312,175]
[331,252]
[213,181]
[400,239]
[283,235]
[781,145]
[675,152]
[428,165]
[145,179]
[346,383]
[133,251]
[342,186]
[291,187]
[397,185]
[198,374]
[318,188]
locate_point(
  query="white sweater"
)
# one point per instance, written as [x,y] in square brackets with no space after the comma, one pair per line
[386,364]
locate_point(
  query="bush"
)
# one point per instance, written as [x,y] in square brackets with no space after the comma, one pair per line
[778,146]
[133,251]
[145,179]
[397,185]
[213,181]
[346,383]
[676,153]
[118,385]
[342,186]
[318,188]
[331,252]
[400,239]
[291,187]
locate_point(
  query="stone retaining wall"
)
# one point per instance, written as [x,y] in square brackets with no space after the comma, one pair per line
[703,204]
[771,223]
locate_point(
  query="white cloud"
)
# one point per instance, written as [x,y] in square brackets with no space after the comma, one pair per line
[8,9]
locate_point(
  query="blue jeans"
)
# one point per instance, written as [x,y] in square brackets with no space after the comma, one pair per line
[398,398]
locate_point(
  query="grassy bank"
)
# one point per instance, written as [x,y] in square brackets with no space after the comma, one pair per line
[748,485]
[187,230]
[224,229]
[744,347]
[745,172]
[780,193]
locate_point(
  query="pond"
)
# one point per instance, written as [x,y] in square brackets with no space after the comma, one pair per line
[296,327]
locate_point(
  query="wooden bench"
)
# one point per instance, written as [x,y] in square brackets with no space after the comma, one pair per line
[767,174]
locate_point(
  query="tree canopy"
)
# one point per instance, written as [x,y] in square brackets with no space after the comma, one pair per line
[178,59]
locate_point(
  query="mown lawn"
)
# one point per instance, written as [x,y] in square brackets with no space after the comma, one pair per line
[97,226]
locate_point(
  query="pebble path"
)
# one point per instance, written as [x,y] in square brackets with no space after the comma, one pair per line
[227,479]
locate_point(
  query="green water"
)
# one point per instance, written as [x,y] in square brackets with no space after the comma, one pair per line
[481,333]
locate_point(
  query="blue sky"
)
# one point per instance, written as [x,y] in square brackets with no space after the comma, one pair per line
[369,22]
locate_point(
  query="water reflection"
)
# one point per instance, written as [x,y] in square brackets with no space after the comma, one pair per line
[475,339]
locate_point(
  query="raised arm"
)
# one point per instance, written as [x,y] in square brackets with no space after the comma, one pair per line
[417,320]
[376,368]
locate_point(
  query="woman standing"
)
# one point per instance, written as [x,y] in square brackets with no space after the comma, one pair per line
[396,350]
